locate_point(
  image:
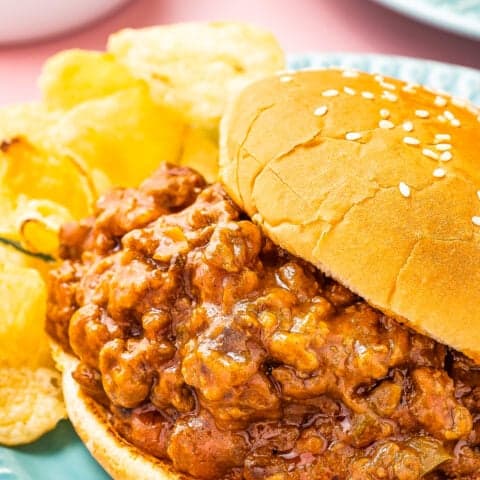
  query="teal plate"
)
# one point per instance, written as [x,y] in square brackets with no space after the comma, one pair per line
[60,454]
[459,16]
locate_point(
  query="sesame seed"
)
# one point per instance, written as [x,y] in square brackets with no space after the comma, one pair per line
[388,86]
[350,74]
[387,124]
[389,96]
[320,111]
[384,113]
[378,78]
[349,91]
[443,147]
[286,78]
[330,93]
[368,95]
[408,126]
[478,194]
[448,115]
[411,141]
[439,173]
[442,118]
[353,136]
[455,122]
[478,118]
[446,156]
[430,153]
[422,113]
[440,137]
[476,221]
[404,189]
[440,101]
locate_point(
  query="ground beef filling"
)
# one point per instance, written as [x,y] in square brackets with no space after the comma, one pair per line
[216,350]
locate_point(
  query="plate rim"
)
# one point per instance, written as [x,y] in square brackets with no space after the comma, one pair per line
[447,20]
[383,57]
[460,72]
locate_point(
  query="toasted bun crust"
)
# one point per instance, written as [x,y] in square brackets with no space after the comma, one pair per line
[120,459]
[336,199]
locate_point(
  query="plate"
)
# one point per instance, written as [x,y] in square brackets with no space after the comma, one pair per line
[459,16]
[60,454]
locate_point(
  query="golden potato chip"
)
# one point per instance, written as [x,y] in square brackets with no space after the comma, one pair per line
[30,403]
[39,237]
[74,76]
[30,396]
[28,120]
[125,136]
[195,67]
[13,250]
[22,310]
[29,231]
[7,206]
[39,222]
[26,169]
[11,256]
[200,151]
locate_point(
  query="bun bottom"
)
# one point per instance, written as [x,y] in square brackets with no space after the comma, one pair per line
[120,459]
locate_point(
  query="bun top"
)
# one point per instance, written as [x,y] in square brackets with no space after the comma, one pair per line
[374,181]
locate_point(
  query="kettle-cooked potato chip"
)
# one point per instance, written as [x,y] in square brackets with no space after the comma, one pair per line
[125,135]
[14,257]
[74,76]
[22,310]
[29,231]
[196,67]
[30,394]
[200,151]
[27,120]
[31,403]
[39,222]
[26,169]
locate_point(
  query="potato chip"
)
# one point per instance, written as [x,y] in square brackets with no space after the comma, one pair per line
[22,310]
[30,403]
[39,237]
[30,395]
[7,206]
[74,76]
[195,67]
[29,231]
[125,136]
[28,120]
[26,169]
[39,222]
[200,151]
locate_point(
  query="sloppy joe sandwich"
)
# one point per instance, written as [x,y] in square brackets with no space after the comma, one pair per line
[315,315]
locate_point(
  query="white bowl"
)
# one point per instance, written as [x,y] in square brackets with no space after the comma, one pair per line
[23,20]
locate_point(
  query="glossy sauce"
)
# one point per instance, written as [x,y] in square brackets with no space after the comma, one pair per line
[214,349]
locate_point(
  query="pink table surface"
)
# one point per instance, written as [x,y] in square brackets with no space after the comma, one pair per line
[301,26]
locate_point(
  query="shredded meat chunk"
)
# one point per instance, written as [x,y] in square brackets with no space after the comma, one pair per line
[216,350]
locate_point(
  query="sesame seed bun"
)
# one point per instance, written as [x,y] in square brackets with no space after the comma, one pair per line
[374,181]
[120,459]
